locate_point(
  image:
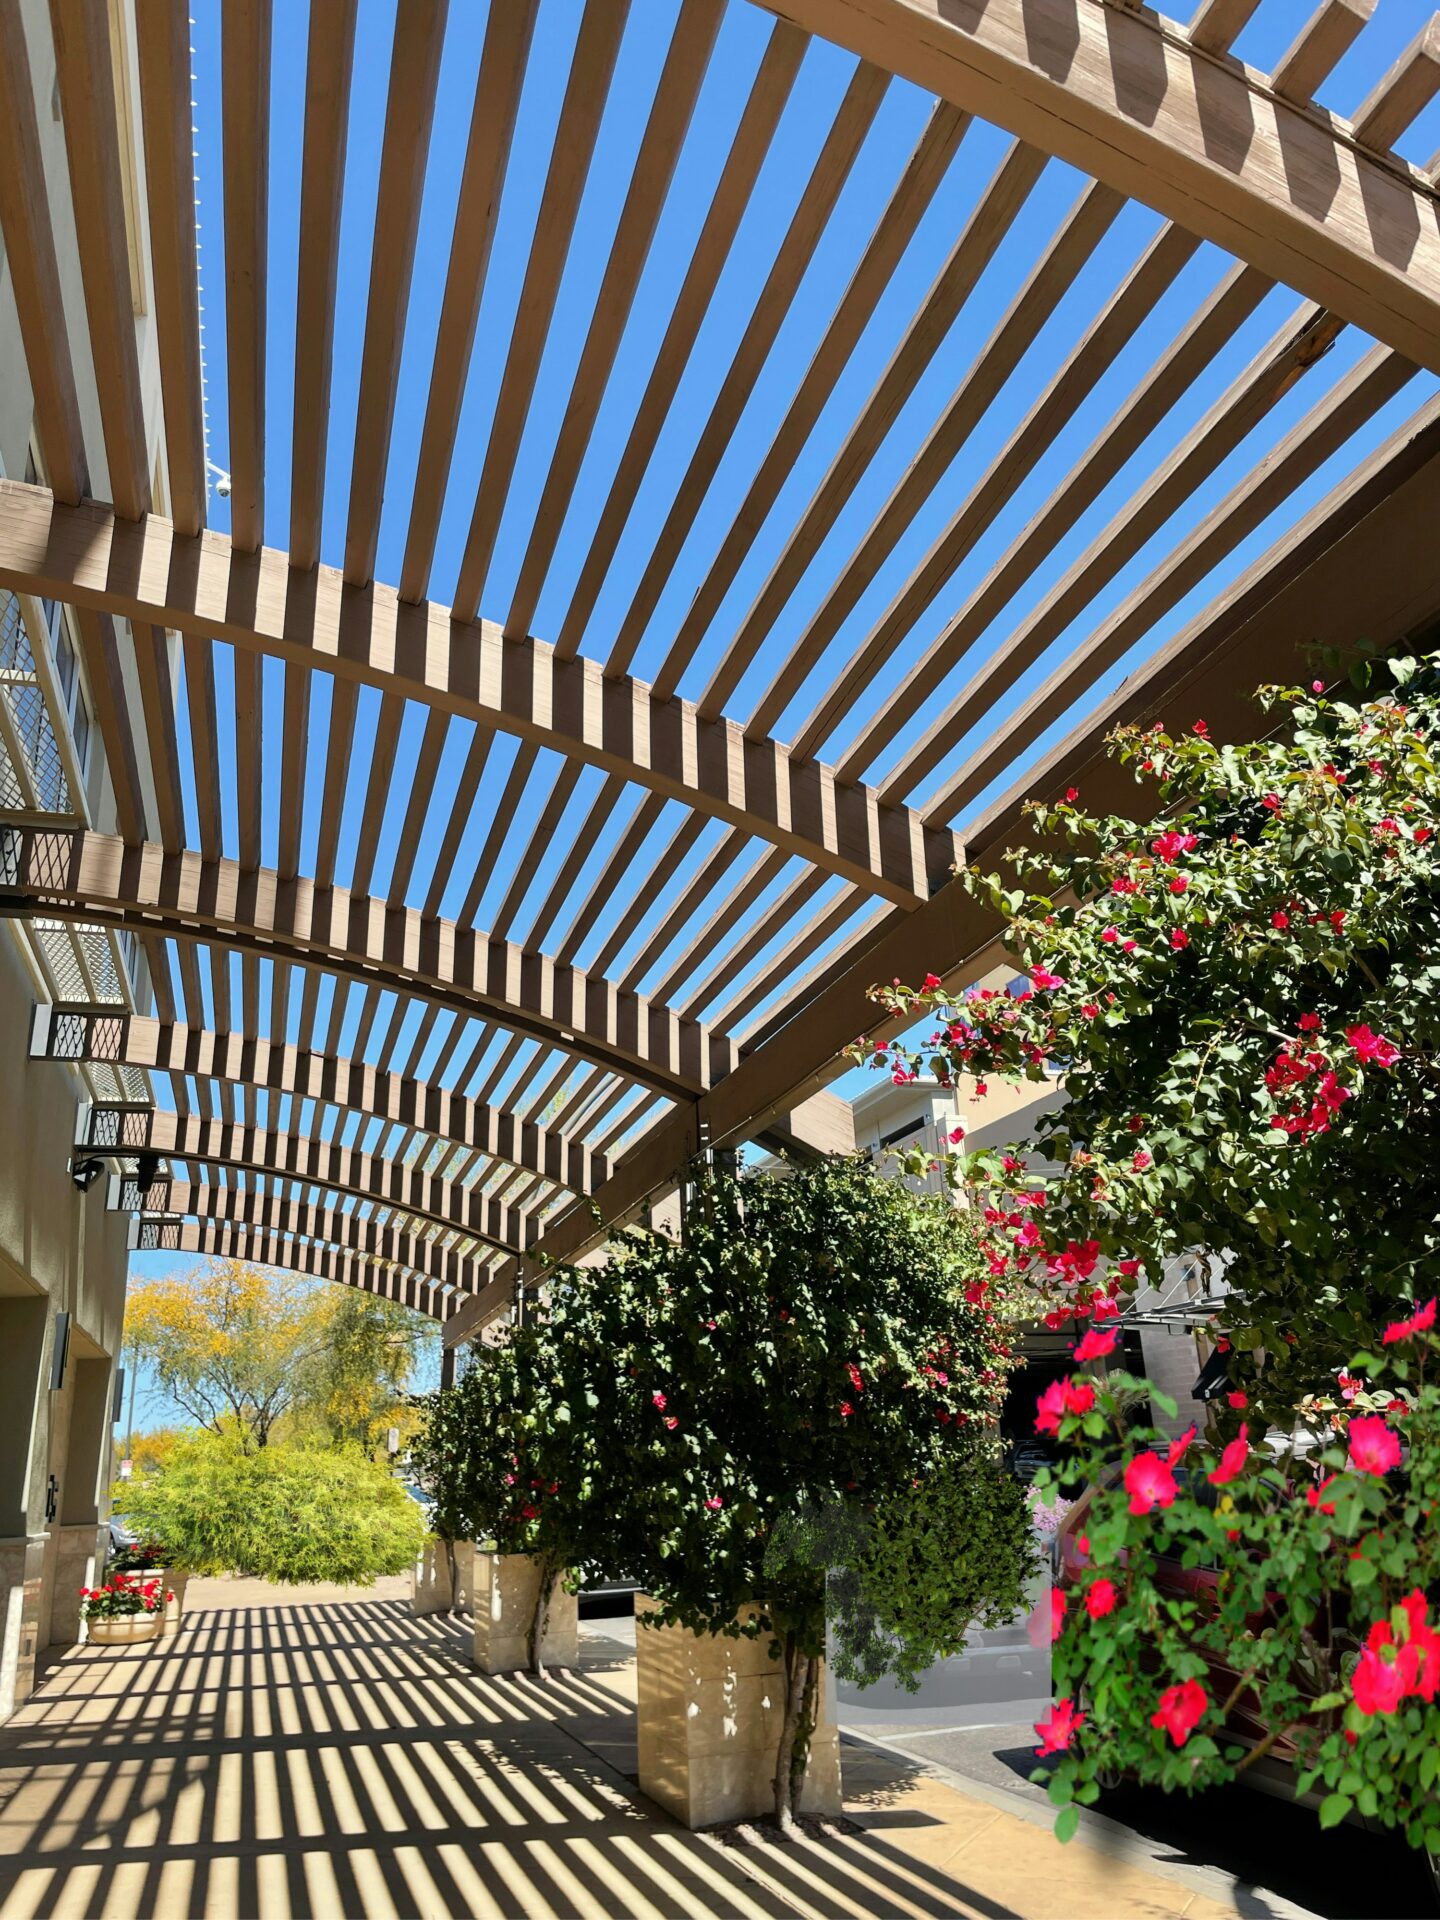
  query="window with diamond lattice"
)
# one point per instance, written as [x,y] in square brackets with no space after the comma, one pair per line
[40,781]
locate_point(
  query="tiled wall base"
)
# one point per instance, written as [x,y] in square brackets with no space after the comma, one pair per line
[431,1592]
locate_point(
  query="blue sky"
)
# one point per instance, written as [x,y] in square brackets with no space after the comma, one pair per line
[823,78]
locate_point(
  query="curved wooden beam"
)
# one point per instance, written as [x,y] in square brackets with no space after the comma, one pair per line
[269,1212]
[199,585]
[95,876]
[315,1163]
[118,1038]
[220,1242]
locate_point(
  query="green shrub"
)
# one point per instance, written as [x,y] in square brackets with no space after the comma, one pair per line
[289,1514]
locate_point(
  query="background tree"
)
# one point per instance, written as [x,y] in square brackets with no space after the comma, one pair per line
[822,1341]
[257,1353]
[1245,997]
[294,1513]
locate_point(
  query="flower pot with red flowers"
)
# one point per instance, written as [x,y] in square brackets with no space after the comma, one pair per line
[152,1559]
[127,1611]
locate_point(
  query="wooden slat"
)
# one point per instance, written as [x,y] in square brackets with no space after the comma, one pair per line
[162,36]
[1202,141]
[1319,47]
[1402,93]
[748,150]
[284,1071]
[1080,233]
[1217,22]
[914,192]
[92,142]
[1214,324]
[245,63]
[271,1212]
[1370,385]
[236,908]
[202,586]
[591,70]
[675,94]
[219,1241]
[33,270]
[409,114]
[508,32]
[837,156]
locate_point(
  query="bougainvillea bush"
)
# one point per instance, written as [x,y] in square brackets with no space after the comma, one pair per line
[1244,997]
[1241,997]
[821,1344]
[1224,1604]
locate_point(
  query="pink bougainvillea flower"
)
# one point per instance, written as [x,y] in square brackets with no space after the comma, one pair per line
[1110,936]
[1377,1686]
[1179,938]
[957,1134]
[1308,1022]
[671,1422]
[1179,884]
[1201,728]
[1059,1398]
[1042,980]
[1374,1446]
[1090,1010]
[855,1379]
[1372,1047]
[658,1399]
[1180,1447]
[846,1409]
[1279,921]
[1180,1710]
[1129,1268]
[1421,1321]
[1149,1483]
[1232,1460]
[932,983]
[1047,1620]
[714,1503]
[1100,1599]
[1272,801]
[1141,1161]
[1238,1400]
[1316,1495]
[1169,846]
[1072,794]
[1095,1345]
[1059,1727]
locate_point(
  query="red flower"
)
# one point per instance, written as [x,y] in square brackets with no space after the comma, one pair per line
[1372,1047]
[1060,1398]
[1059,1727]
[957,1134]
[846,1409]
[1043,981]
[1377,1686]
[1169,846]
[1201,728]
[932,983]
[671,1422]
[1232,1460]
[1316,1495]
[1072,794]
[1149,1483]
[1110,936]
[1180,1710]
[1272,801]
[1047,1620]
[1238,1400]
[1090,1010]
[1100,1599]
[1095,1345]
[1308,1022]
[1280,921]
[1179,938]
[1141,1161]
[1179,884]
[854,1373]
[714,1503]
[658,1400]
[1374,1448]
[1421,1321]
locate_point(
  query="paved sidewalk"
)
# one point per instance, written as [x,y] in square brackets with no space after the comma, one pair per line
[311,1752]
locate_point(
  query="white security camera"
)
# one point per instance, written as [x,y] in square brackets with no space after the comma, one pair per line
[222,486]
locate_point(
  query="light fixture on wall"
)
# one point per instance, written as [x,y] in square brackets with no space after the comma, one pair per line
[86,1172]
[60,1352]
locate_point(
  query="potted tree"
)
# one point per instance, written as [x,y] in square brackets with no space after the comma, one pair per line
[500,1453]
[444,1573]
[127,1611]
[744,1407]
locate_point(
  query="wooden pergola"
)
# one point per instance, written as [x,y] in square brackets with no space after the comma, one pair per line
[770,868]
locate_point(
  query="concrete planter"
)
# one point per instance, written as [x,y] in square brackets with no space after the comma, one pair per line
[710,1713]
[432,1591]
[507,1586]
[172,1581]
[124,1630]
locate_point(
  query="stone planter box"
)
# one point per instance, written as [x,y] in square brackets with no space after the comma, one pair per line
[125,1630]
[172,1581]
[507,1586]
[431,1591]
[709,1716]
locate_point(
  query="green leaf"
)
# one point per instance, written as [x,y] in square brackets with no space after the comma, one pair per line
[1066,1821]
[1334,1808]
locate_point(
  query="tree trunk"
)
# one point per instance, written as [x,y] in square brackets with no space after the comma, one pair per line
[454,1572]
[541,1619]
[802,1680]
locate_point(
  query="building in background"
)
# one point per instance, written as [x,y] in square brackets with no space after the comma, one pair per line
[63,1256]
